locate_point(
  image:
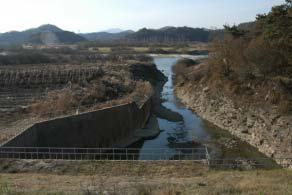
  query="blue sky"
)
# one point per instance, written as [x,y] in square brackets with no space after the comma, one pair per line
[96,15]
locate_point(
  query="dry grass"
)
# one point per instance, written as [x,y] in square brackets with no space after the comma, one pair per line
[234,70]
[97,95]
[57,101]
[113,88]
[285,107]
[45,75]
[159,178]
[143,90]
[104,49]
[252,70]
[140,49]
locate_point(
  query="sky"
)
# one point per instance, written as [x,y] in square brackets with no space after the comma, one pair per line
[97,15]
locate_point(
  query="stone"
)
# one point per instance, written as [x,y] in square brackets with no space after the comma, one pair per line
[250,122]
[245,131]
[270,132]
[206,89]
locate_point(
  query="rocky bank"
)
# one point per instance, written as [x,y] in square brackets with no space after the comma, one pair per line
[270,132]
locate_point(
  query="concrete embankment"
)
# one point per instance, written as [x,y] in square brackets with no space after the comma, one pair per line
[109,127]
[100,128]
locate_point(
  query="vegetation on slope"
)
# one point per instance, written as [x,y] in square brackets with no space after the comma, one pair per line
[62,37]
[106,36]
[170,34]
[255,63]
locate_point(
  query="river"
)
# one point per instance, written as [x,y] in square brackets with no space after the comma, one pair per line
[220,143]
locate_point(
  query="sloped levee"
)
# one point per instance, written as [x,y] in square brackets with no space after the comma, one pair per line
[100,128]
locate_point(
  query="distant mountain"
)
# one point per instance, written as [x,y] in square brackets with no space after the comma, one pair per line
[50,34]
[113,30]
[106,36]
[49,38]
[45,34]
[44,28]
[170,34]
[166,28]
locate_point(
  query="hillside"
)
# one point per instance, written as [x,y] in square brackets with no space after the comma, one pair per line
[45,34]
[106,36]
[64,37]
[50,34]
[170,34]
[167,34]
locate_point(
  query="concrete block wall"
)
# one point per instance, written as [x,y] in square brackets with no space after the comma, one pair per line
[100,128]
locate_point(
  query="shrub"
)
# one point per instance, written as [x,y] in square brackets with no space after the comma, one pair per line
[248,64]
[285,107]
[56,102]
[25,58]
[263,50]
[181,66]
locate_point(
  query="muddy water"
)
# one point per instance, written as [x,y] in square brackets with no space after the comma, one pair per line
[192,128]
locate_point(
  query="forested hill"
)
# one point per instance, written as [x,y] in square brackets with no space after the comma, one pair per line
[170,34]
[45,34]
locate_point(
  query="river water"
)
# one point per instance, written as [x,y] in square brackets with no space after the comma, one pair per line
[219,142]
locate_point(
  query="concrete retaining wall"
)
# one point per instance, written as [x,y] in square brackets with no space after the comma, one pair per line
[100,128]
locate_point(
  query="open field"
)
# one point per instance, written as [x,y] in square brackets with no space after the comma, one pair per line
[162,178]
[157,49]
